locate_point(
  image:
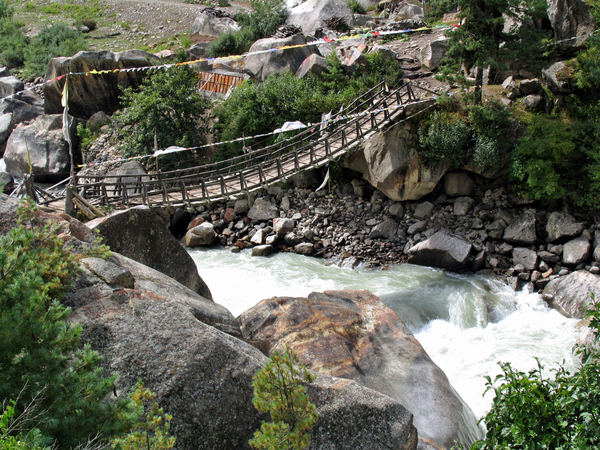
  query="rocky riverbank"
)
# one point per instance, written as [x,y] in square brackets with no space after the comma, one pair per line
[468,224]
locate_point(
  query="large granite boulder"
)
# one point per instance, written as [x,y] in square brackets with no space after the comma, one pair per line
[100,279]
[562,226]
[312,14]
[572,22]
[389,162]
[569,294]
[208,28]
[352,334]
[521,231]
[314,64]
[203,377]
[99,92]
[263,65]
[355,417]
[442,250]
[47,147]
[141,235]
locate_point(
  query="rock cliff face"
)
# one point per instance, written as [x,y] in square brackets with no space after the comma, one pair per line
[352,334]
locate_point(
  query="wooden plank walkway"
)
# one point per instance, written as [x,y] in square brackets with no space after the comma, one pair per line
[376,110]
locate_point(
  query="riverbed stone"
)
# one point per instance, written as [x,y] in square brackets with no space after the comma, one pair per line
[442,250]
[305,248]
[352,334]
[282,226]
[418,227]
[397,210]
[527,257]
[263,250]
[263,210]
[576,251]
[570,294]
[202,235]
[463,205]
[258,238]
[522,230]
[423,210]
[562,226]
[385,230]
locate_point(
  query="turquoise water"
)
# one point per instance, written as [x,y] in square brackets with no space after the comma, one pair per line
[466,323]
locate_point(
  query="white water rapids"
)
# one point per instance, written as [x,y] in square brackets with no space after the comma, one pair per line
[466,323]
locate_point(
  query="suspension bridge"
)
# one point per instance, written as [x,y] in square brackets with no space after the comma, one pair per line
[313,147]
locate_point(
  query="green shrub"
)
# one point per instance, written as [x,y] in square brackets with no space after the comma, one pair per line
[12,40]
[254,107]
[533,411]
[56,40]
[86,137]
[279,390]
[445,138]
[11,437]
[435,9]
[262,22]
[545,159]
[41,359]
[491,125]
[167,105]
[356,7]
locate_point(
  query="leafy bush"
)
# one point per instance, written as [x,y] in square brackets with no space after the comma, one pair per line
[279,390]
[445,138]
[545,159]
[55,40]
[262,22]
[13,439]
[151,432]
[456,135]
[531,411]
[491,124]
[435,9]
[255,108]
[12,40]
[40,353]
[167,104]
[356,7]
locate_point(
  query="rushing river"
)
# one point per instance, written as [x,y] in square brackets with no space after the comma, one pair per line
[465,323]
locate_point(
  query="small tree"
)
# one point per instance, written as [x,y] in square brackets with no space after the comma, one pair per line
[151,432]
[279,390]
[40,353]
[167,105]
[484,41]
